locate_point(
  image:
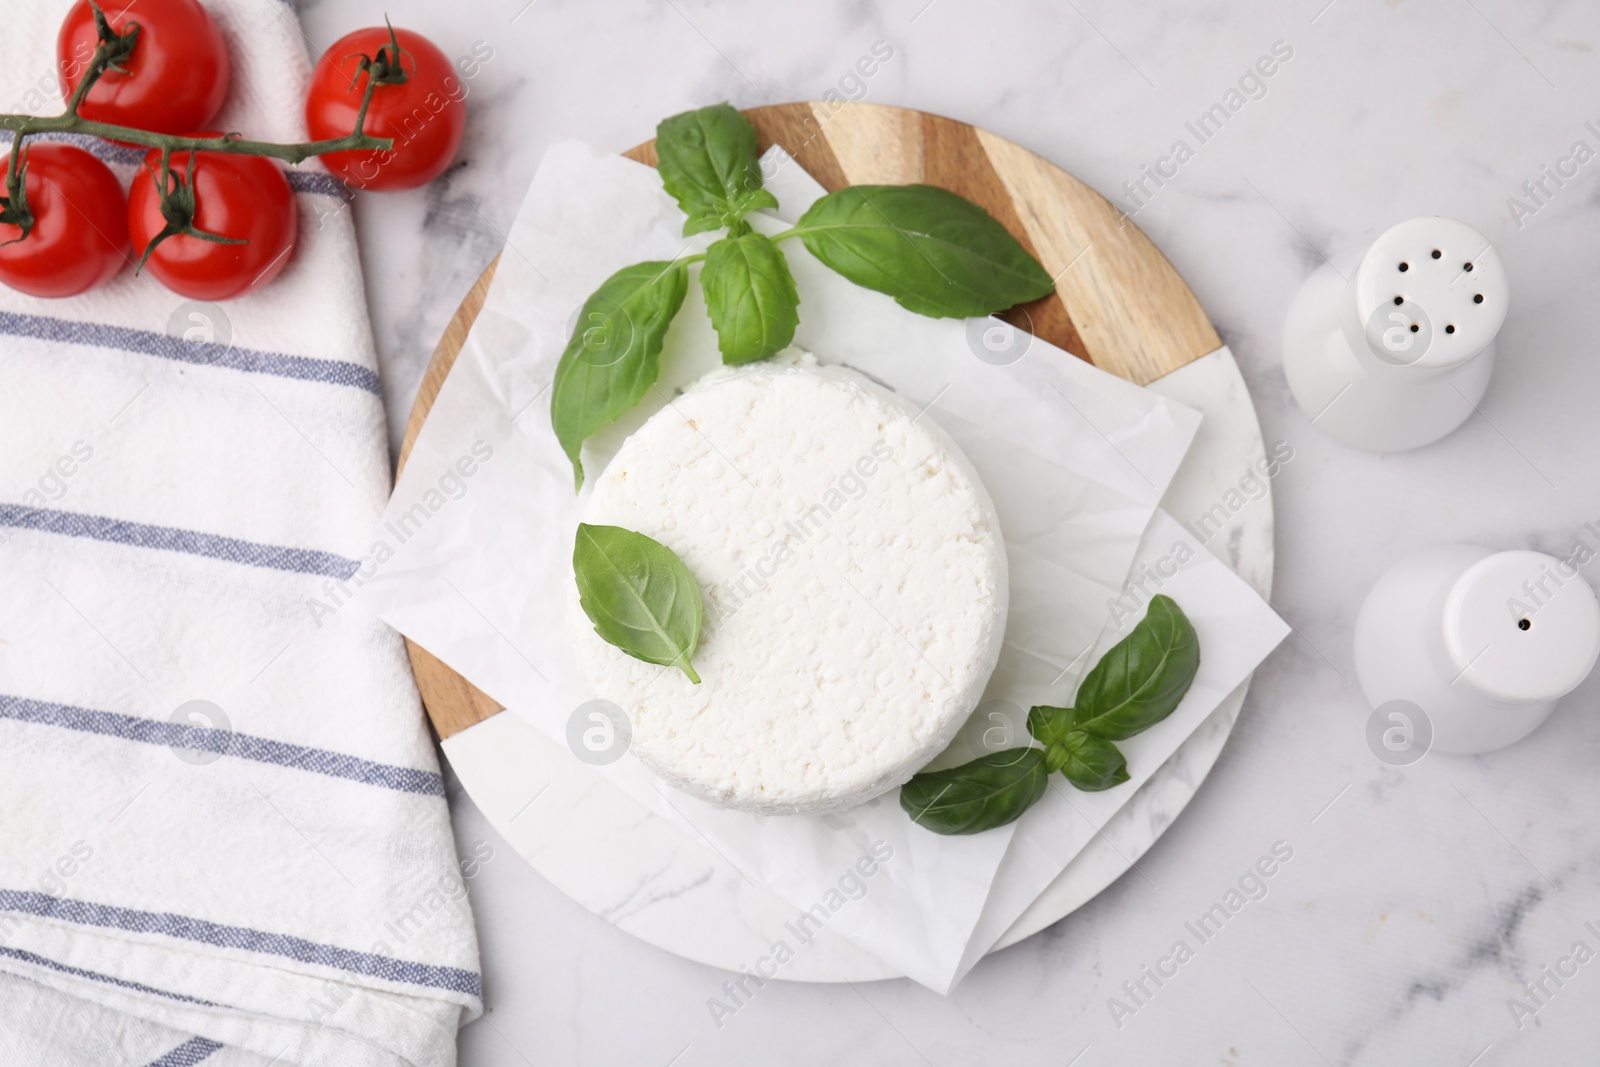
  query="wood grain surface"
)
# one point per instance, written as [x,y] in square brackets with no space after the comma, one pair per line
[1118,303]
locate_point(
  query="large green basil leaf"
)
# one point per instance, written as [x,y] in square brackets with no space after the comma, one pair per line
[639,595]
[1143,677]
[936,253]
[614,354]
[990,791]
[708,162]
[1090,763]
[751,297]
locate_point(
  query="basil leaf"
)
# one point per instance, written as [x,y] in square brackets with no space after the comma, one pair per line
[990,791]
[1143,677]
[708,162]
[1049,725]
[639,595]
[934,252]
[614,354]
[1090,763]
[751,297]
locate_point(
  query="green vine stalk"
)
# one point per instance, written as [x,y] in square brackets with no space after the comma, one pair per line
[177,201]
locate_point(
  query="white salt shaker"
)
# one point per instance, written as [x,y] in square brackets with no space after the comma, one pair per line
[1393,349]
[1472,646]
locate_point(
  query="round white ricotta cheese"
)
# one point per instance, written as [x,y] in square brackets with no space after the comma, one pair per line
[854,579]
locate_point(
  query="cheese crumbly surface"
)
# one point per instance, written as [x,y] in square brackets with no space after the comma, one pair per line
[854,578]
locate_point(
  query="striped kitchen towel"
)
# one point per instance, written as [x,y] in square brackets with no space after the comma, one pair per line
[223,833]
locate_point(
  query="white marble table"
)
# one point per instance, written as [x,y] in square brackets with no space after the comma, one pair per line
[1417,899]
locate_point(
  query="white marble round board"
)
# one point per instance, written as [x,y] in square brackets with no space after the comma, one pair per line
[1124,309]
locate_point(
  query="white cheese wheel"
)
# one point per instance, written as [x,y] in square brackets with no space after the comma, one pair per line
[854,579]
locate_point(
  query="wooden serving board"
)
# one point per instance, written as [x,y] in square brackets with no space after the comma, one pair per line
[1118,303]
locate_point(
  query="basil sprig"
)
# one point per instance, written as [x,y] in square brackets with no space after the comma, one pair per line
[1139,682]
[639,595]
[934,252]
[614,355]
[708,162]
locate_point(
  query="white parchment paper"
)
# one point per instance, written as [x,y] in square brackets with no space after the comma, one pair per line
[473,558]
[1236,630]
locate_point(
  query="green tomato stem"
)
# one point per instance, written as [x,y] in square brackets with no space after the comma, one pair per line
[113,48]
[13,166]
[177,195]
[24,125]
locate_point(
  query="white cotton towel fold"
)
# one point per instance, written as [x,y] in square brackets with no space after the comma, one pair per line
[267,877]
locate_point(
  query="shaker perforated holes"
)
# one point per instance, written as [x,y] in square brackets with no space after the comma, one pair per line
[1354,369]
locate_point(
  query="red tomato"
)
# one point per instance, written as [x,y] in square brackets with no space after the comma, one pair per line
[177,73]
[426,114]
[243,197]
[80,224]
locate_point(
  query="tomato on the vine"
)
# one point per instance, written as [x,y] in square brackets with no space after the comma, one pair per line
[426,114]
[176,73]
[239,197]
[79,236]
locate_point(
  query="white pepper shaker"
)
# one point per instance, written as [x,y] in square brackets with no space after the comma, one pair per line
[1473,646]
[1392,349]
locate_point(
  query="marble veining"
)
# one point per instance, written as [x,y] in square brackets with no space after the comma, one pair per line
[1419,900]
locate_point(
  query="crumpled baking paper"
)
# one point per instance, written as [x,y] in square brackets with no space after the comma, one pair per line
[473,558]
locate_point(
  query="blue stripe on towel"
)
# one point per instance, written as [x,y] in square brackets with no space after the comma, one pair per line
[225,742]
[312,181]
[301,181]
[172,539]
[78,972]
[208,354]
[187,1054]
[242,938]
[98,147]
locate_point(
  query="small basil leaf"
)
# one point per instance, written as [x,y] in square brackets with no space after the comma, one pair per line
[639,595]
[751,297]
[934,252]
[1143,677]
[709,163]
[990,791]
[1048,724]
[1090,763]
[614,354]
